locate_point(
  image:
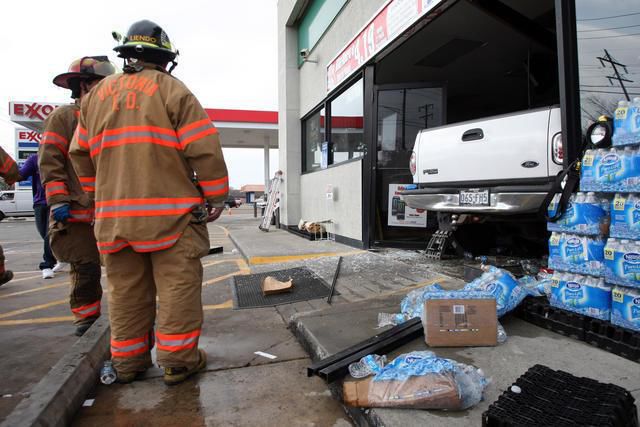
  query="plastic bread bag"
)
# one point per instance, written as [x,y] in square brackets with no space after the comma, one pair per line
[419,380]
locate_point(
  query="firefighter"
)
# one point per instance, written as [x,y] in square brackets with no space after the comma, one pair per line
[71,224]
[155,159]
[9,172]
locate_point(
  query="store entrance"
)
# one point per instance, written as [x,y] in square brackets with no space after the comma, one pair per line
[475,60]
[401,112]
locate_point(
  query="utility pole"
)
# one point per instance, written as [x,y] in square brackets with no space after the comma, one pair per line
[607,58]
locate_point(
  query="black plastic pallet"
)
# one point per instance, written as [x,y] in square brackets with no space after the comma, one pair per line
[599,333]
[613,338]
[540,313]
[557,398]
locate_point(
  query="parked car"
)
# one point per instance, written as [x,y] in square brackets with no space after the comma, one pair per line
[230,203]
[16,203]
[495,166]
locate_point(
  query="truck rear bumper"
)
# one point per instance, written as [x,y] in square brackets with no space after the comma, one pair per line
[502,200]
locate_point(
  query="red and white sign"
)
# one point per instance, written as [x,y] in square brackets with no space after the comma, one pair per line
[27,136]
[390,21]
[30,111]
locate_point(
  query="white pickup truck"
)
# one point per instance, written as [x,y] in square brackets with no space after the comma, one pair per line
[492,167]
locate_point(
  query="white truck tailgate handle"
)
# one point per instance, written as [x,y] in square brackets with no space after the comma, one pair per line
[472,135]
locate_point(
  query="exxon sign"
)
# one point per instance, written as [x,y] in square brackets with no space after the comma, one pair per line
[30,111]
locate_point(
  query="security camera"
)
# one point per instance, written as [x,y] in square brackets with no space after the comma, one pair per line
[304,55]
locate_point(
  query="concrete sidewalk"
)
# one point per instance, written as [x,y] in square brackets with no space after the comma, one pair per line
[240,387]
[328,331]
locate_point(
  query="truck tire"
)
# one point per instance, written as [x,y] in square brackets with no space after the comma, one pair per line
[2,215]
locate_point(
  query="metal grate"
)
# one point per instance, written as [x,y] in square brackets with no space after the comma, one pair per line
[247,290]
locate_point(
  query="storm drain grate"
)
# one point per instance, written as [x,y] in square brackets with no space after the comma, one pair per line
[247,290]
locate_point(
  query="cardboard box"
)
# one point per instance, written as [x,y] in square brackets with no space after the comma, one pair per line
[460,322]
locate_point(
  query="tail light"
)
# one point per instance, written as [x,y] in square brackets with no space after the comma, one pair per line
[557,149]
[412,163]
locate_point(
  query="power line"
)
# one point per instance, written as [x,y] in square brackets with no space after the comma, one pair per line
[606,91]
[607,29]
[632,87]
[608,37]
[609,17]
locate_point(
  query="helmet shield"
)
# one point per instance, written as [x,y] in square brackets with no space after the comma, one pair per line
[146,40]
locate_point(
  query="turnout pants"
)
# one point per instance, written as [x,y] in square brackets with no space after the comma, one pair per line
[76,244]
[175,276]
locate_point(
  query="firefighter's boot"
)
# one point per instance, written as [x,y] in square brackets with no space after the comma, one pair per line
[5,276]
[173,376]
[129,377]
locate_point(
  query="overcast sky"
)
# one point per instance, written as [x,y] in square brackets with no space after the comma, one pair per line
[228,52]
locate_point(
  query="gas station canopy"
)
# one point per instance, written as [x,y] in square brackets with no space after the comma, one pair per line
[238,128]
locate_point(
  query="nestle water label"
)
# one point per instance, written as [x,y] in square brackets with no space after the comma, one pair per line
[612,170]
[625,216]
[622,124]
[576,254]
[622,263]
[581,294]
[625,308]
[588,169]
[584,214]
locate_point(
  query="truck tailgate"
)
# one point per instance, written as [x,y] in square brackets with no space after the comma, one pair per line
[508,147]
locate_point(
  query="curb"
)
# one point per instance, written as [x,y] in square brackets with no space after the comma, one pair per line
[361,417]
[238,247]
[55,400]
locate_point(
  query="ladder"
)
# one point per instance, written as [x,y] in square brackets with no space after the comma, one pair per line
[272,202]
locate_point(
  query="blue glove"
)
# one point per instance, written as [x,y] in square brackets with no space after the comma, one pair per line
[61,213]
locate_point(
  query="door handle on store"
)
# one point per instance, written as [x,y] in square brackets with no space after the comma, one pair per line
[472,135]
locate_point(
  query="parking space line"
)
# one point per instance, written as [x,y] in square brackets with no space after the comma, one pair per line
[224,277]
[28,291]
[224,230]
[224,305]
[289,258]
[36,321]
[33,308]
[25,278]
[220,261]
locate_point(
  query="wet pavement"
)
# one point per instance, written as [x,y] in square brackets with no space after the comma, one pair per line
[238,388]
[35,322]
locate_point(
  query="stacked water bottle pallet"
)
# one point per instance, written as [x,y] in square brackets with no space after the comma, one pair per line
[599,234]
[576,253]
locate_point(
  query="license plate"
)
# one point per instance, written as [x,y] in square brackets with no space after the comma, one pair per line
[474,198]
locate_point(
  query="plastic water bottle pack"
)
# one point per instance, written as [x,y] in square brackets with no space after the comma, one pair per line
[586,295]
[612,170]
[586,214]
[625,307]
[576,254]
[626,124]
[622,262]
[625,216]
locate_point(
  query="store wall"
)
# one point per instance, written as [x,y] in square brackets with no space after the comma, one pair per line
[313,77]
[301,88]
[289,130]
[345,208]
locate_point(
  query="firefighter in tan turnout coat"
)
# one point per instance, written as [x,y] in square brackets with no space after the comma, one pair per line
[9,172]
[155,159]
[71,225]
